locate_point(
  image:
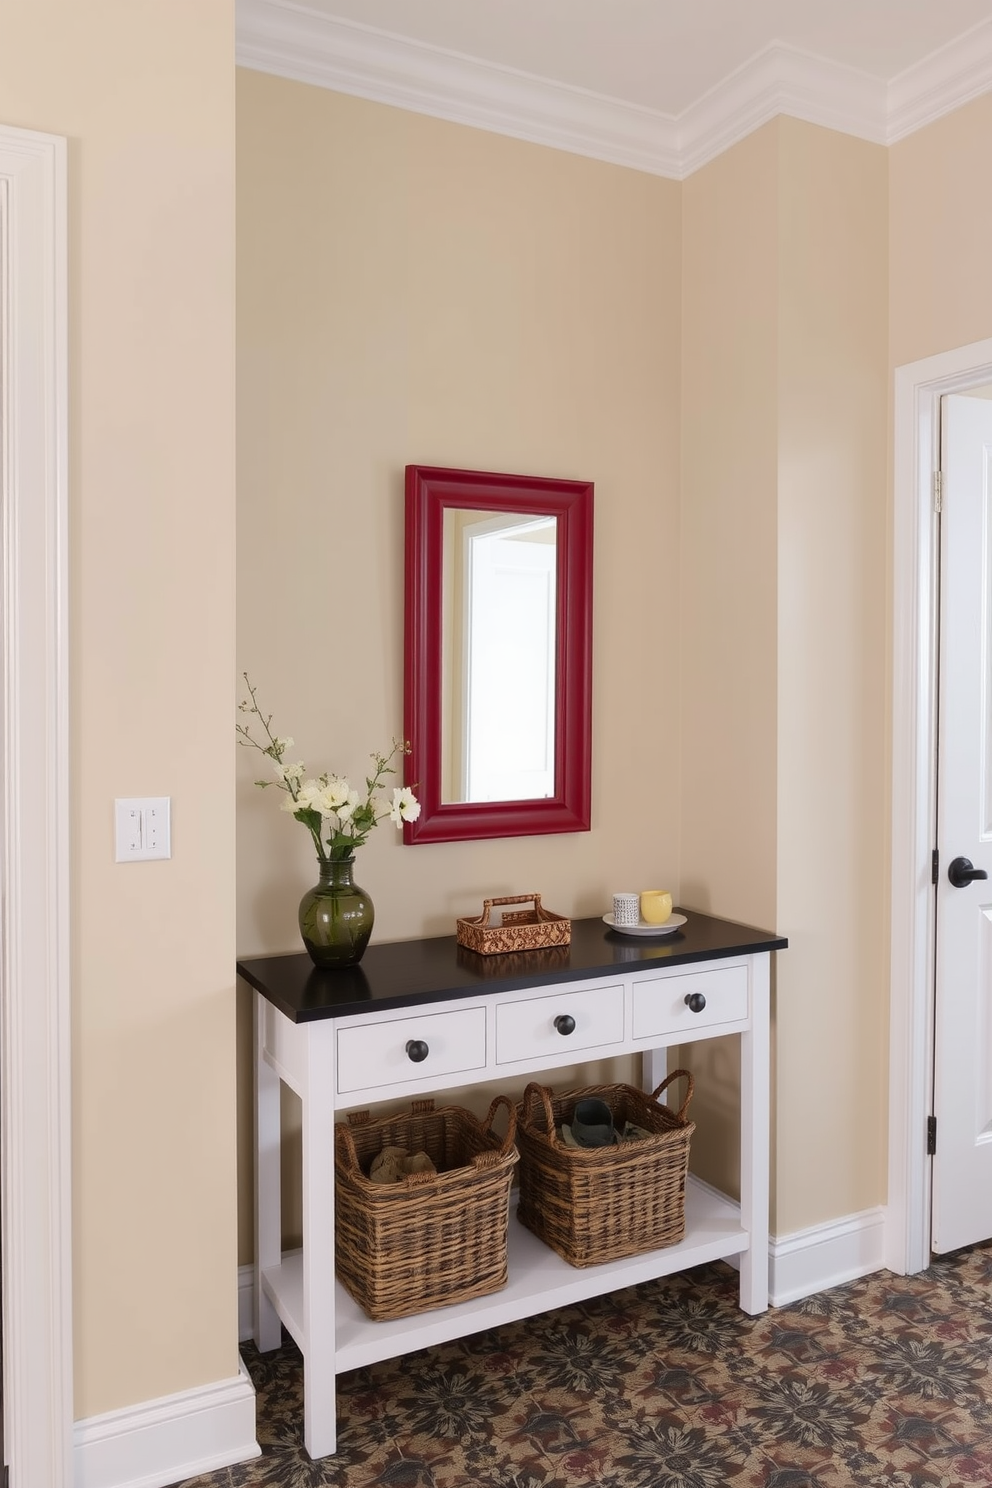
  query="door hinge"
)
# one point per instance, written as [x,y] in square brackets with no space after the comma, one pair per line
[938,490]
[931,1135]
[934,866]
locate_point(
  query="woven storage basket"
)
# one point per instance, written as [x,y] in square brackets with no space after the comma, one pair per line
[601,1203]
[535,929]
[433,1238]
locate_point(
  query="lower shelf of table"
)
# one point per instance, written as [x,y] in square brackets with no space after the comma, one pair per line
[539,1280]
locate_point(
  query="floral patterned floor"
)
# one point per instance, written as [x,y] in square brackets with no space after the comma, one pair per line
[882,1383]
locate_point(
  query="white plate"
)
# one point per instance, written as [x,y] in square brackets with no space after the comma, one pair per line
[672,923]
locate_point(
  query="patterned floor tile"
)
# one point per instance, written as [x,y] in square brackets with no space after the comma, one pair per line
[883,1383]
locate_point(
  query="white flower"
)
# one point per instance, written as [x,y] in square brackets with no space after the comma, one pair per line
[309,796]
[405,806]
[335,801]
[290,773]
[347,809]
[336,817]
[336,792]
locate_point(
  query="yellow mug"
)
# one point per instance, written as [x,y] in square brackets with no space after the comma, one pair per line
[656,906]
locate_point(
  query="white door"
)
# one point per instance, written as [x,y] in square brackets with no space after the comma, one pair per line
[962,1165]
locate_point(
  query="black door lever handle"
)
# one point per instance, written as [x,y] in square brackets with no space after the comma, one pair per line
[962,872]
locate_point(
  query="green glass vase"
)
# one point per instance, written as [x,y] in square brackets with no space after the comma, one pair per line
[336,916]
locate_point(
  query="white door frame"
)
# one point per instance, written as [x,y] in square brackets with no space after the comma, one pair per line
[34,854]
[919,387]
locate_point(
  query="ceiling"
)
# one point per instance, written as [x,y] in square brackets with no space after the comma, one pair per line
[671,81]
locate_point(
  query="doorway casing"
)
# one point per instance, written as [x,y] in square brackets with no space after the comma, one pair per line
[919,387]
[34,855]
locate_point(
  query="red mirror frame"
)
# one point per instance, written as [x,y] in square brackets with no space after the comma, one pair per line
[429,490]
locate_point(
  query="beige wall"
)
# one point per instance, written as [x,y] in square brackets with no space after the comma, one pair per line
[728,653]
[144,93]
[414,291]
[729,546]
[941,235]
[391,310]
[832,838]
[784,464]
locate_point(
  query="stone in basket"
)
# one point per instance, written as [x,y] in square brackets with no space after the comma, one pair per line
[536,929]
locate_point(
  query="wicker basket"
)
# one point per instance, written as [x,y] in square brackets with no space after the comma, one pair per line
[602,1203]
[534,929]
[433,1238]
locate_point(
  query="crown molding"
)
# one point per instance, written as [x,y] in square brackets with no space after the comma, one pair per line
[946,80]
[781,80]
[291,40]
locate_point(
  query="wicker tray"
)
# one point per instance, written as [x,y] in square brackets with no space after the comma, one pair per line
[432,1239]
[523,930]
[602,1203]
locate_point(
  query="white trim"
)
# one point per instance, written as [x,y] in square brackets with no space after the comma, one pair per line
[290,39]
[166,1441]
[946,80]
[34,962]
[781,80]
[826,1255]
[918,390]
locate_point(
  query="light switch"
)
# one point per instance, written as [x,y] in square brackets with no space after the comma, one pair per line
[142,828]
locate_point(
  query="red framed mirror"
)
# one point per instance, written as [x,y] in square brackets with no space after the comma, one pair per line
[498,654]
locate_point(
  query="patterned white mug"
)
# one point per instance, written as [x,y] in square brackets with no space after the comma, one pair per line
[626,909]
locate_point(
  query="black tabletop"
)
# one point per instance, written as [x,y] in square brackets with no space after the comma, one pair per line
[403,973]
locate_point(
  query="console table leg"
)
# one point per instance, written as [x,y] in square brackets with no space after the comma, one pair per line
[268,1213]
[654,1068]
[320,1363]
[754,1142]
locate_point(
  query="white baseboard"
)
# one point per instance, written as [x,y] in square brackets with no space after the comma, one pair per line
[812,1260]
[160,1442]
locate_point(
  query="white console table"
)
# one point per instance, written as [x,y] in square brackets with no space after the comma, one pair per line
[339,1040]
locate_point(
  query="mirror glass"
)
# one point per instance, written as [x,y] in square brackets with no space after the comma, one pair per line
[498,633]
[498,653]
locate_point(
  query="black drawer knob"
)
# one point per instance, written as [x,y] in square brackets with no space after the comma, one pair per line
[417,1050]
[695,1002]
[565,1023]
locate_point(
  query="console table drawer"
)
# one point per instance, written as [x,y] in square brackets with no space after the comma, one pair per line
[541,1026]
[376,1054]
[661,1004]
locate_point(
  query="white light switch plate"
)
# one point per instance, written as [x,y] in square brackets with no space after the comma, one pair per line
[143,828]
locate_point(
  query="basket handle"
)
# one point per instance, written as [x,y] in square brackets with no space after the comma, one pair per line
[537,1094]
[495,1155]
[487,904]
[346,1142]
[342,1134]
[690,1086]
